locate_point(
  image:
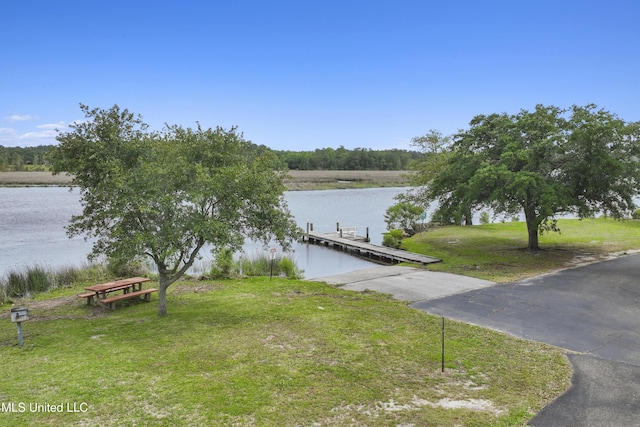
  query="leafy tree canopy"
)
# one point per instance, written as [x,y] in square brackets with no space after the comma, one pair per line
[166,194]
[542,163]
[403,215]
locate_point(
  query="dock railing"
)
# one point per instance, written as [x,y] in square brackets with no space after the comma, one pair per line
[348,232]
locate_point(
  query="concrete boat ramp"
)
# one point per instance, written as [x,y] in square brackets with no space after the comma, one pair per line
[405,283]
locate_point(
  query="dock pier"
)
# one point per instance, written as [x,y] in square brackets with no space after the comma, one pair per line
[345,239]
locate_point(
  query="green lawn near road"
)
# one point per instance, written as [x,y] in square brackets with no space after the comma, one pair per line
[498,251]
[256,352]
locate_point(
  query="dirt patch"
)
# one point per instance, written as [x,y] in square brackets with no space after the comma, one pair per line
[194,287]
[581,259]
[416,403]
[49,305]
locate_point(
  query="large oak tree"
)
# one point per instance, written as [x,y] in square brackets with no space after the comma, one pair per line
[166,194]
[542,163]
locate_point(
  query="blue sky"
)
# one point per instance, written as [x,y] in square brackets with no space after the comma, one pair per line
[301,75]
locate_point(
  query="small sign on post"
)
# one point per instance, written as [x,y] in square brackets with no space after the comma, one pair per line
[272,257]
[19,315]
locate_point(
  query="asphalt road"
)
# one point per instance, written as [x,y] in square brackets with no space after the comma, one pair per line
[593,311]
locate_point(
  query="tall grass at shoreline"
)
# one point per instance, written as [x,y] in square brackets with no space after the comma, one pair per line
[225,266]
[30,280]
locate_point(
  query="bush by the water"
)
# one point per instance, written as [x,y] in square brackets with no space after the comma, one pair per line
[392,239]
[127,268]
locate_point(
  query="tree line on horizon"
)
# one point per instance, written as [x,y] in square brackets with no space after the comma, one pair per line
[341,158]
[21,158]
[344,159]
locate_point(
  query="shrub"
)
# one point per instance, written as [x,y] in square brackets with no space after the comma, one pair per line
[392,239]
[289,268]
[223,263]
[484,218]
[636,214]
[404,215]
[127,268]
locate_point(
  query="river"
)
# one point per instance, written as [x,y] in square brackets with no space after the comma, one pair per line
[32,221]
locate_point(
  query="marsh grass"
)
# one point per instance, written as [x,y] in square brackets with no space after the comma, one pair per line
[26,282]
[298,179]
[224,265]
[498,251]
[32,280]
[256,352]
[262,265]
[338,179]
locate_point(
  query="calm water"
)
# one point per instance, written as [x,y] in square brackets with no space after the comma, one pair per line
[32,221]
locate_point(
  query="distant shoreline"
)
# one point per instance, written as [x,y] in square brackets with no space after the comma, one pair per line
[299,180]
[33,179]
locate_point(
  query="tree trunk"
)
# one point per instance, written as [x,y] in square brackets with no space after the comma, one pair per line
[532,229]
[162,294]
[533,237]
[167,277]
[468,216]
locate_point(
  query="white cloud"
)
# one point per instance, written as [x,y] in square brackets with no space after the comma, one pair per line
[45,134]
[12,138]
[52,126]
[29,136]
[7,134]
[18,118]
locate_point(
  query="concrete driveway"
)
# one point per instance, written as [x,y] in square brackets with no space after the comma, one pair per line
[592,310]
[406,283]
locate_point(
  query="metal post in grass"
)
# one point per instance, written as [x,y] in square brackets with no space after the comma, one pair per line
[19,315]
[272,257]
[442,343]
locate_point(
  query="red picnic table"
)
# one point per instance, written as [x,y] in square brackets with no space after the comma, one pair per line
[130,287]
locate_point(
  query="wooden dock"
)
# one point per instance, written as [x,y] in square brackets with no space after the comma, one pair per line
[361,247]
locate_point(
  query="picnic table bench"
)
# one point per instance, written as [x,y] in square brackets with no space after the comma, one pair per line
[144,293]
[131,288]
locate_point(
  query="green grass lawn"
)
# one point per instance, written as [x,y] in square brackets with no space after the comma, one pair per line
[498,252]
[256,352]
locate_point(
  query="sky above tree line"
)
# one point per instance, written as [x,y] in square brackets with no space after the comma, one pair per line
[300,75]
